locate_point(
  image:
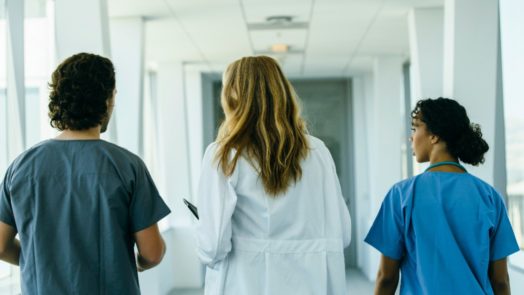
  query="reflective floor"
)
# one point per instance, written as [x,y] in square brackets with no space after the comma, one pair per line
[356,283]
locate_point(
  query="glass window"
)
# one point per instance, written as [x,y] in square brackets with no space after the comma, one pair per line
[150,124]
[3,90]
[513,70]
[38,41]
[5,269]
[9,274]
[38,61]
[406,151]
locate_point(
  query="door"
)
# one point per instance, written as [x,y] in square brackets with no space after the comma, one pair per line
[326,107]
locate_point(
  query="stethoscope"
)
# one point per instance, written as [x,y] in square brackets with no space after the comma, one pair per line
[446,163]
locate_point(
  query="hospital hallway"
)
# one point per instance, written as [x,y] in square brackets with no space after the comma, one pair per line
[355,281]
[358,68]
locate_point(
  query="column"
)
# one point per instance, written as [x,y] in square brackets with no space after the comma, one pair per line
[470,68]
[426,34]
[127,48]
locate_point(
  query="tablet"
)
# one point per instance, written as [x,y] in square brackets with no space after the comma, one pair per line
[192,208]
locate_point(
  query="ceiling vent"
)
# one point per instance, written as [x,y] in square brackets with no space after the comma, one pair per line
[279,19]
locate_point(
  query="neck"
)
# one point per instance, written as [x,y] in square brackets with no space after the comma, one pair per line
[444,157]
[87,134]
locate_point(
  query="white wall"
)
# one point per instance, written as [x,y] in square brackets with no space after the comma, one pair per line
[174,180]
[378,136]
[195,119]
[362,93]
[179,142]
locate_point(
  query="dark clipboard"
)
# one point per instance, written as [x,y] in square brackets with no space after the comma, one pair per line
[191,208]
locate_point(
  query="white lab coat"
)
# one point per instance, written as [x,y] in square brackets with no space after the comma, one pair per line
[253,243]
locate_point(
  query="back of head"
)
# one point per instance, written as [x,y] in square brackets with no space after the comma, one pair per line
[80,88]
[263,122]
[448,120]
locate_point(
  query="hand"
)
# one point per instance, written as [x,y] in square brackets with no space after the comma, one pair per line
[139,268]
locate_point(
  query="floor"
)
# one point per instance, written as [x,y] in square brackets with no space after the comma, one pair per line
[356,283]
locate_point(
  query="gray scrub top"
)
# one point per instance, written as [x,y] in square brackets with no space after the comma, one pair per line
[76,205]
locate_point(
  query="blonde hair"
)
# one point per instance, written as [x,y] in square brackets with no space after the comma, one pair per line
[263,121]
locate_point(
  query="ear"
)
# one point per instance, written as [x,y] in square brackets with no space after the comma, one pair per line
[434,139]
[110,102]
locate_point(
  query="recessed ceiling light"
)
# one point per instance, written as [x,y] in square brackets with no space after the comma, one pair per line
[279,48]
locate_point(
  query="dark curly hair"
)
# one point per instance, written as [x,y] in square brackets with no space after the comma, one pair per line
[80,88]
[448,120]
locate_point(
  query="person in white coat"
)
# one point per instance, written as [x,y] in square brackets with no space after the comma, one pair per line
[272,216]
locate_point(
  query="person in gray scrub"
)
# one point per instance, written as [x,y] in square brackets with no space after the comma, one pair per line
[78,203]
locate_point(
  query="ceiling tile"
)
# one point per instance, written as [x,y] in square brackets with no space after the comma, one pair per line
[127,8]
[215,32]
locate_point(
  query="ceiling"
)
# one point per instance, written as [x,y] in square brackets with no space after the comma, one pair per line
[326,38]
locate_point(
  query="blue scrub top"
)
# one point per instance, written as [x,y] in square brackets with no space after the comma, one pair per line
[76,205]
[445,228]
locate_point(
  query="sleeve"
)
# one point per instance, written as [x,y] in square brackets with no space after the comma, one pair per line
[147,206]
[6,209]
[386,233]
[502,238]
[216,204]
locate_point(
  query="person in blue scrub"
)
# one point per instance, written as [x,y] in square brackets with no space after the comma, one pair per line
[445,230]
